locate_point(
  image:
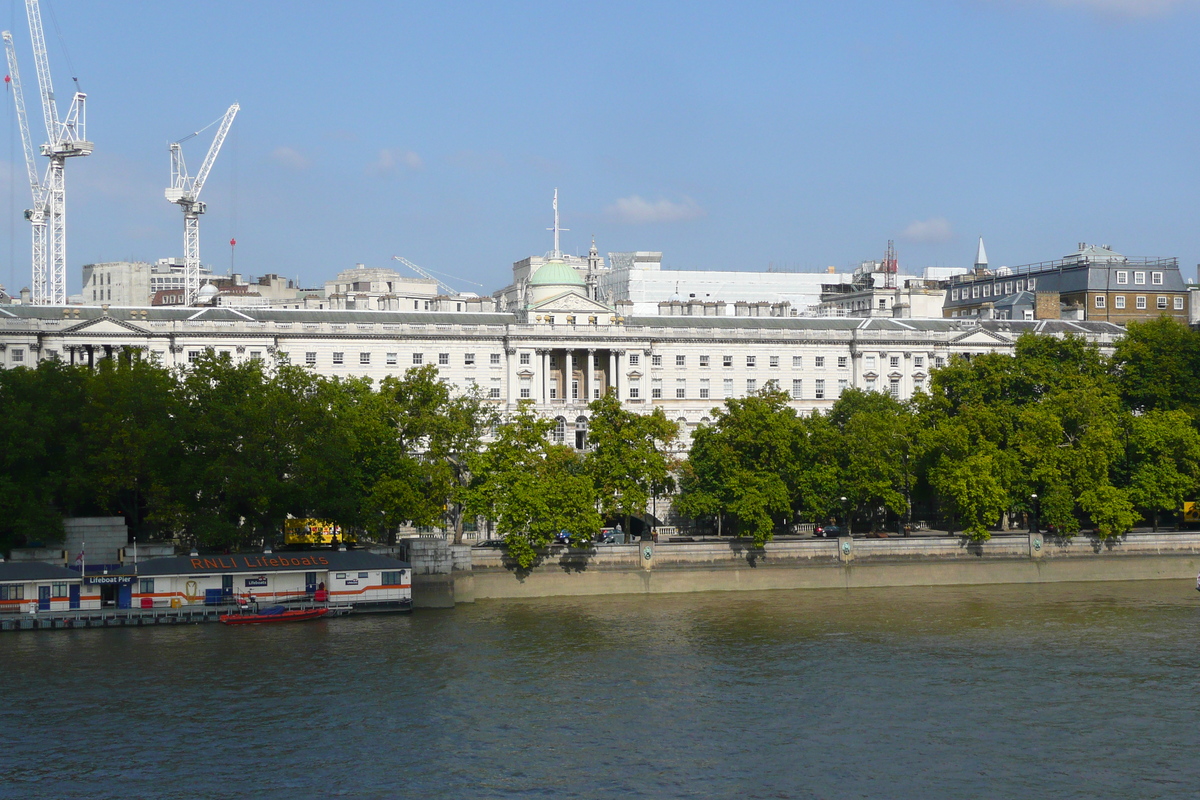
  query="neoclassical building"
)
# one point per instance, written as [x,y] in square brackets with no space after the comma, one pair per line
[559,348]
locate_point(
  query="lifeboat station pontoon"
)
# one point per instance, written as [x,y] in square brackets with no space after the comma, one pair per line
[200,587]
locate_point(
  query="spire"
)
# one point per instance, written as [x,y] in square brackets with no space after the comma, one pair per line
[556,253]
[981,261]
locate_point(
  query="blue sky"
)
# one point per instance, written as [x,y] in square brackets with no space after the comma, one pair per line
[799,134]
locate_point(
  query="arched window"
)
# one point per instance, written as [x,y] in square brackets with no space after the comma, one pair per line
[581,427]
[560,430]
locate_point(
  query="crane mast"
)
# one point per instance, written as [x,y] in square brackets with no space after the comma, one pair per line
[65,138]
[184,191]
[37,214]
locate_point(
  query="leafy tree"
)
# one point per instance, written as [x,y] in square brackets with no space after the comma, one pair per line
[745,464]
[875,457]
[531,489]
[628,456]
[1156,364]
[1164,451]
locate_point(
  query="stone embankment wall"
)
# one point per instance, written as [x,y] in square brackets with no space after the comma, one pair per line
[444,574]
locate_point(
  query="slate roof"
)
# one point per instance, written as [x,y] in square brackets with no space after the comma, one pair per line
[18,571]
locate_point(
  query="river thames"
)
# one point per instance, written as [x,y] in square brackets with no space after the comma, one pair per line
[1067,690]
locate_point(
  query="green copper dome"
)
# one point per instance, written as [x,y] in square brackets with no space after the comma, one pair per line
[556,273]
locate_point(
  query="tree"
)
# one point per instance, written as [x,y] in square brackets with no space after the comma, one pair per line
[531,489]
[745,464]
[875,456]
[628,456]
[1156,364]
[1164,455]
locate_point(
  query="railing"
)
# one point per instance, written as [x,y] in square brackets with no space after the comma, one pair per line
[1050,266]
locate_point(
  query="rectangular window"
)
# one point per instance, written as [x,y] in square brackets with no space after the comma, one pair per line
[256,355]
[954,294]
[1099,301]
[1122,277]
[681,361]
[469,359]
[1179,304]
[680,389]
[656,389]
[1141,301]
[553,362]
[919,362]
[918,384]
[727,361]
[1021,285]
[635,388]
[1119,301]
[526,388]
[390,578]
[1027,313]
[494,389]
[392,359]
[193,356]
[975,292]
[751,386]
[12,591]
[894,362]
[774,362]
[1139,279]
[656,360]
[1156,278]
[364,358]
[494,358]
[842,362]
[146,586]
[797,362]
[340,358]
[797,390]
[727,388]
[704,388]
[819,362]
[1008,287]
[870,384]
[751,360]
[987,290]
[524,359]
[1162,302]
[940,361]
[870,362]
[704,361]
[58,590]
[443,359]
[819,389]
[842,384]
[894,388]
[635,359]
[418,359]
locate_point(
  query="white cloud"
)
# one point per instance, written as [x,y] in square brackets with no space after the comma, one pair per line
[934,230]
[635,210]
[390,160]
[290,158]
[1125,8]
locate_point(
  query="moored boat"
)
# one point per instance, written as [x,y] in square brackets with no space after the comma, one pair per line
[274,614]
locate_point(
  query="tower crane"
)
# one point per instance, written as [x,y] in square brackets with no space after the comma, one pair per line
[185,191]
[66,138]
[37,214]
[425,274]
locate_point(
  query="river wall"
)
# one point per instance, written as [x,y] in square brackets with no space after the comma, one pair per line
[444,574]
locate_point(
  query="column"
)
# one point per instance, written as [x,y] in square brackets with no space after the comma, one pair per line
[569,372]
[510,375]
[543,375]
[616,362]
[591,373]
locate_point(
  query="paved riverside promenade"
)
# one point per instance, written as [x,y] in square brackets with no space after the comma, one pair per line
[444,575]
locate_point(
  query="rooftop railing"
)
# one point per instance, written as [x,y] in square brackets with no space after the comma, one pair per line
[1066,263]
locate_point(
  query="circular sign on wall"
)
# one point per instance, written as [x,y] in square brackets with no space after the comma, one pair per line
[648,552]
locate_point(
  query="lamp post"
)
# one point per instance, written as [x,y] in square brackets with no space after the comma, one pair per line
[846,513]
[1034,524]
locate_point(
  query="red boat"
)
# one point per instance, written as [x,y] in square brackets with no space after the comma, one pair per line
[274,614]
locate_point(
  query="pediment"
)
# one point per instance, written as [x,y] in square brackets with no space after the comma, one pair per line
[570,302]
[106,325]
[980,336]
[525,373]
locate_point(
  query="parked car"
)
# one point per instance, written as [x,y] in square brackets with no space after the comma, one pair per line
[492,543]
[827,531]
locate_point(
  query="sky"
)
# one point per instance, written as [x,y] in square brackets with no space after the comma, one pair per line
[789,135]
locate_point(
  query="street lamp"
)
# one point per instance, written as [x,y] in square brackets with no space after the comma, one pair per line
[1034,524]
[846,514]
